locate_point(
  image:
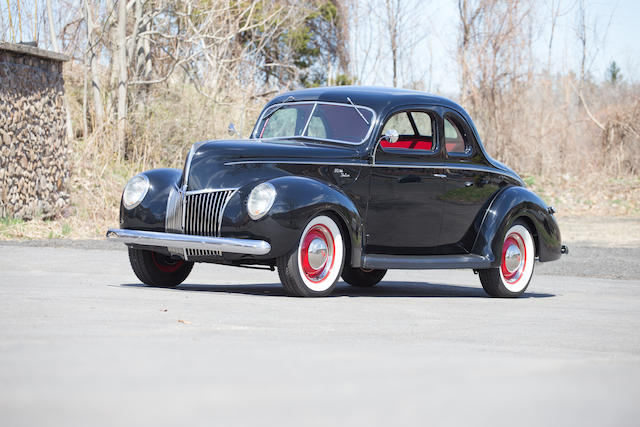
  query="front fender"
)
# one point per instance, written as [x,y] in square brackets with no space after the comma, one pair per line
[298,199]
[509,205]
[150,214]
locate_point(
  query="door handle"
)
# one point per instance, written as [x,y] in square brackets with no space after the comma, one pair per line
[440,175]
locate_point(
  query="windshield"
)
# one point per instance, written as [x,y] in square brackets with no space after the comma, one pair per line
[317,120]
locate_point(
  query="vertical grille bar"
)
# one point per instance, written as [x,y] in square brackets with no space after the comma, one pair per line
[173,220]
[210,212]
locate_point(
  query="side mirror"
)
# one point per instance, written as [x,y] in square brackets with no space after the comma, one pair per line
[233,131]
[391,135]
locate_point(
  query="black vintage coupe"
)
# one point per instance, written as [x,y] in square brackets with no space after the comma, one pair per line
[346,181]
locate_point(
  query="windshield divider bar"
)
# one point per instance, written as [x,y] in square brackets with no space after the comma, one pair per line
[306,125]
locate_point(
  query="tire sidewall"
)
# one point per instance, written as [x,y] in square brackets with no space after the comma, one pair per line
[326,285]
[522,283]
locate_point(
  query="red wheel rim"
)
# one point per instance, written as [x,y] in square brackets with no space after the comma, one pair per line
[314,271]
[514,258]
[165,264]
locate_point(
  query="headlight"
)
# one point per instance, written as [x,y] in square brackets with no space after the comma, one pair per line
[134,191]
[260,200]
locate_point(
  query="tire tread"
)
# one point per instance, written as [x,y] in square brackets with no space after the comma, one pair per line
[144,268]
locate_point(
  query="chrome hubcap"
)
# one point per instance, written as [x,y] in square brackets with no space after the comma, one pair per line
[512,258]
[318,253]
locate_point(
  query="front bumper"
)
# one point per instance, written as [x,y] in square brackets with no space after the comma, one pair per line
[188,241]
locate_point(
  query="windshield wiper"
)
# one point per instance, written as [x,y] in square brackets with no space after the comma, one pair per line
[358,110]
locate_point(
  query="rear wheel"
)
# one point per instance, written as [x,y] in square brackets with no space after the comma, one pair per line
[313,267]
[516,264]
[362,277]
[155,269]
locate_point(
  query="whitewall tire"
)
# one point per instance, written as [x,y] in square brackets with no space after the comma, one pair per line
[314,266]
[517,258]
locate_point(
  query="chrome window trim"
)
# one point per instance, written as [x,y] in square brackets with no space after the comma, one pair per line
[294,162]
[374,118]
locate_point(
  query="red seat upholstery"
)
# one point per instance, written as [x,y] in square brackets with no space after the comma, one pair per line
[423,143]
[455,147]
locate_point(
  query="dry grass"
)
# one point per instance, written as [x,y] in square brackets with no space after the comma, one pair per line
[601,231]
[591,195]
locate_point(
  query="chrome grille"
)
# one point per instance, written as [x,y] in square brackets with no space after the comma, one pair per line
[202,216]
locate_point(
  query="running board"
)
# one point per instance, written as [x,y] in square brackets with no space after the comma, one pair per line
[424,262]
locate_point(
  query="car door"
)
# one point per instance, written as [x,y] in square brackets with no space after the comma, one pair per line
[469,185]
[405,210]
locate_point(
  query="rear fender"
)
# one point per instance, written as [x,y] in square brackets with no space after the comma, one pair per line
[509,205]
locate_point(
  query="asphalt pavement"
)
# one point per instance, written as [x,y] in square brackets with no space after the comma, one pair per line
[82,342]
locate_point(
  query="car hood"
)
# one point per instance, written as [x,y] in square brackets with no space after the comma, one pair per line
[233,163]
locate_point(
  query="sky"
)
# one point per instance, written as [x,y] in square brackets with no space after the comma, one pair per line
[613,35]
[432,34]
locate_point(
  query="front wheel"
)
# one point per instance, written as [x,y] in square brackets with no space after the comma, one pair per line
[155,269]
[313,267]
[516,264]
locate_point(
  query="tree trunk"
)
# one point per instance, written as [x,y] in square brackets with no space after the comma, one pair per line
[122,76]
[93,66]
[54,44]
[393,18]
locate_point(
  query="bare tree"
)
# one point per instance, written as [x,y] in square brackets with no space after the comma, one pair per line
[122,74]
[364,47]
[555,13]
[92,54]
[52,30]
[392,9]
[494,52]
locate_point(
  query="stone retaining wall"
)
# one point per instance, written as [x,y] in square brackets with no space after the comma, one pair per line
[34,150]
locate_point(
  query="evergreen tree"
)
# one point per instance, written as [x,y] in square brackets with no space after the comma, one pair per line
[614,75]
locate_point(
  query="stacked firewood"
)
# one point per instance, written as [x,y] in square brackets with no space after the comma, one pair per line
[34,165]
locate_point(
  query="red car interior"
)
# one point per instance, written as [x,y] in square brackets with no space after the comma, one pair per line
[411,142]
[454,146]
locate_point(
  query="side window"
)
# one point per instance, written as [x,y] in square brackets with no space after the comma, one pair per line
[423,123]
[399,122]
[455,140]
[415,129]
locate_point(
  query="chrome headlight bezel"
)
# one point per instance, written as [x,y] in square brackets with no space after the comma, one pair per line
[260,200]
[135,191]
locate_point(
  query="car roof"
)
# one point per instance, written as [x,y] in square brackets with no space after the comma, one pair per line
[375,97]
